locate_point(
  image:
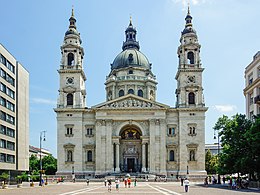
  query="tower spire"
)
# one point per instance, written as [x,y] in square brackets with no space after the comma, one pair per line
[130,34]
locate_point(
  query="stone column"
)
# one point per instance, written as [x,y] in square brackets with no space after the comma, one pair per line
[143,158]
[117,158]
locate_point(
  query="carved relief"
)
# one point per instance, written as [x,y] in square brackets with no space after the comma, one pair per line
[131,103]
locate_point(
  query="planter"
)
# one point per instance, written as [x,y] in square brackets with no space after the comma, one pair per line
[19,185]
[32,184]
[4,186]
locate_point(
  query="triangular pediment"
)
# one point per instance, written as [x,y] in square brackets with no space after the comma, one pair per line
[130,101]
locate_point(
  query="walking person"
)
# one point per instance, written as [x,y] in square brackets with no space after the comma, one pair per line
[206,181]
[87,182]
[129,182]
[125,182]
[105,182]
[109,181]
[135,181]
[186,185]
[117,184]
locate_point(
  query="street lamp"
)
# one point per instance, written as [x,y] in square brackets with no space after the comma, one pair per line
[41,139]
[218,153]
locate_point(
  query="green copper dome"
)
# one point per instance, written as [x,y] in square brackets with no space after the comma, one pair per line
[130,57]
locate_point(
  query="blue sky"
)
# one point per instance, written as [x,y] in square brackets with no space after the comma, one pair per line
[228,32]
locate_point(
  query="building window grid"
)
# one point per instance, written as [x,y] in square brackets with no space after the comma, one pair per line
[171,131]
[89,131]
[69,130]
[7,104]
[9,65]
[7,90]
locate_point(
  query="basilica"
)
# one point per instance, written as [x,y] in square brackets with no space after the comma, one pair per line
[130,132]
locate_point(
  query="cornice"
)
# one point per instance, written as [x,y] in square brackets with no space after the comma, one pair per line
[255,84]
[73,71]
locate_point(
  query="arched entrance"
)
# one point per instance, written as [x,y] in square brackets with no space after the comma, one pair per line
[130,149]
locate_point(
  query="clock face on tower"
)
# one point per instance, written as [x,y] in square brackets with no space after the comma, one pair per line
[70,80]
[191,79]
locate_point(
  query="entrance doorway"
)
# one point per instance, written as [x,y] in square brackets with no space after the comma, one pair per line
[130,165]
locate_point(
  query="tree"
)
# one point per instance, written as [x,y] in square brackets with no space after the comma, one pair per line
[34,163]
[49,164]
[240,140]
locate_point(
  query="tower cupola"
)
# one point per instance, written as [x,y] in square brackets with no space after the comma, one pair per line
[188,25]
[130,34]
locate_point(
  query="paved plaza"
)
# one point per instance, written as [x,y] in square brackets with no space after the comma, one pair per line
[151,188]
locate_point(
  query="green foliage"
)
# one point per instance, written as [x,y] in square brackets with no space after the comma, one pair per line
[240,140]
[4,176]
[49,164]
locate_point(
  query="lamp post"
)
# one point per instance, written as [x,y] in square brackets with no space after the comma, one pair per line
[218,153]
[41,139]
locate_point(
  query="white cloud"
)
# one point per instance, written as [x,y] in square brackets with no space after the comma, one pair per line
[43,101]
[192,2]
[225,108]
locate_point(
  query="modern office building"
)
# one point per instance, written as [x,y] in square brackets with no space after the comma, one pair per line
[14,114]
[252,88]
[130,132]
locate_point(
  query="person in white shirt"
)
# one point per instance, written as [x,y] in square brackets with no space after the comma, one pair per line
[186,185]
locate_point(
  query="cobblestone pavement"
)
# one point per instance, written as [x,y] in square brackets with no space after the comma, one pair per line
[151,188]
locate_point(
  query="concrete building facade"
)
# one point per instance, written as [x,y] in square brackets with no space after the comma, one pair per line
[252,87]
[131,132]
[14,114]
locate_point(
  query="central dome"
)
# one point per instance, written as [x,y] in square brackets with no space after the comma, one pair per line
[130,57]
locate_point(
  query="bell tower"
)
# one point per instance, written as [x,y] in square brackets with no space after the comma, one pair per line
[72,91]
[189,92]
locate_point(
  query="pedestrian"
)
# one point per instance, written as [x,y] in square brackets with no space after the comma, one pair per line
[209,179]
[117,184]
[125,182]
[224,179]
[109,184]
[186,184]
[181,181]
[129,182]
[105,182]
[206,181]
[135,182]
[87,182]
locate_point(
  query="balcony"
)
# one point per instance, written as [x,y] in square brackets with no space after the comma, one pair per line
[257,100]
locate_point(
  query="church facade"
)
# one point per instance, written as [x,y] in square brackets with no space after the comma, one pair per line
[131,132]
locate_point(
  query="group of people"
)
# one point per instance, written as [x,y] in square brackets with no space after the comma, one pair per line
[127,182]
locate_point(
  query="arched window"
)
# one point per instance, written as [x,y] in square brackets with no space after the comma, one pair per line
[69,99]
[192,155]
[140,93]
[130,91]
[171,155]
[121,93]
[190,57]
[191,98]
[70,59]
[89,156]
[69,156]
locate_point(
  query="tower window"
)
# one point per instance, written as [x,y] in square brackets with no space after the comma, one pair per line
[69,156]
[69,99]
[190,57]
[121,93]
[192,155]
[69,130]
[130,91]
[70,59]
[171,131]
[89,155]
[191,98]
[130,71]
[140,93]
[171,157]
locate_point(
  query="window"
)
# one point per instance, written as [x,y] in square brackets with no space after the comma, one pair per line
[2,129]
[190,57]
[69,131]
[70,59]
[251,99]
[140,93]
[192,155]
[171,131]
[192,129]
[191,98]
[2,73]
[3,101]
[2,143]
[89,131]
[250,79]
[10,132]
[171,157]
[10,158]
[2,157]
[130,91]
[10,145]
[69,156]
[3,87]
[69,99]
[121,93]
[130,72]
[89,155]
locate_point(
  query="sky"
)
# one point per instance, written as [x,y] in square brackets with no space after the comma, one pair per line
[228,31]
